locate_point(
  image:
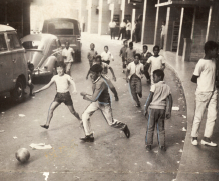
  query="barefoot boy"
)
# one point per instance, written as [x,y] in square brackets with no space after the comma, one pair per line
[91,54]
[62,82]
[159,101]
[100,100]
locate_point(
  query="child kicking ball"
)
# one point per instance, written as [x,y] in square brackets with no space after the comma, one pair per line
[62,82]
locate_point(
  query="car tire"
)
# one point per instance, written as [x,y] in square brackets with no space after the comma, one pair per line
[18,92]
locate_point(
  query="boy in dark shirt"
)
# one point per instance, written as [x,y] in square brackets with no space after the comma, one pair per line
[99,100]
[122,55]
[30,78]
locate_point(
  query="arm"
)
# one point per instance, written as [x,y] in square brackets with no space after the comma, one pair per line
[45,87]
[114,77]
[88,55]
[142,69]
[88,74]
[163,66]
[194,78]
[73,84]
[112,57]
[169,106]
[149,99]
[127,74]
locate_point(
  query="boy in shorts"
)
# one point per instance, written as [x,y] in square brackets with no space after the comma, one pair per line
[62,82]
[159,103]
[122,55]
[206,94]
[91,54]
[30,78]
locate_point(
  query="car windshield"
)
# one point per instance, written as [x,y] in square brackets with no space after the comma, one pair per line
[61,27]
[33,45]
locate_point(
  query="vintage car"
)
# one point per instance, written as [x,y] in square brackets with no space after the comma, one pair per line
[43,51]
[13,65]
[67,30]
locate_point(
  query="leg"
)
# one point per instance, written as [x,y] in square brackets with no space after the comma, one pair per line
[212,115]
[132,84]
[72,110]
[52,107]
[112,88]
[111,32]
[86,117]
[68,68]
[160,128]
[138,87]
[150,127]
[200,106]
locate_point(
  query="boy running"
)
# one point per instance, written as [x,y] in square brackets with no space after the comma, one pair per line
[144,57]
[206,94]
[122,54]
[156,62]
[106,56]
[99,100]
[67,55]
[104,75]
[130,52]
[62,82]
[91,54]
[159,101]
[133,77]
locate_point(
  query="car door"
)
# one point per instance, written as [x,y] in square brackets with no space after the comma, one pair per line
[59,50]
[18,58]
[6,68]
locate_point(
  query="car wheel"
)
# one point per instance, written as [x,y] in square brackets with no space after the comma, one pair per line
[18,92]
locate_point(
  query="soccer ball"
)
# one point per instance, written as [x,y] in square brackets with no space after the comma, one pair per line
[22,155]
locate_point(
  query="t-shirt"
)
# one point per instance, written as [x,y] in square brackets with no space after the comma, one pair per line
[91,55]
[161,91]
[106,56]
[112,24]
[128,26]
[206,70]
[100,91]
[156,62]
[162,29]
[135,69]
[62,82]
[145,56]
[68,53]
[130,54]
[122,25]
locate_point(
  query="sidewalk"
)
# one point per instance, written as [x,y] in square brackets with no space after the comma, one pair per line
[197,162]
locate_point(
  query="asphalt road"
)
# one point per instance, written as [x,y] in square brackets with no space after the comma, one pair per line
[112,156]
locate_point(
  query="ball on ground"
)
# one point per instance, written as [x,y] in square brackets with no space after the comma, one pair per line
[22,155]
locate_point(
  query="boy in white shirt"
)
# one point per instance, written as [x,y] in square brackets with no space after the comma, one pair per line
[156,62]
[62,82]
[133,76]
[106,56]
[68,54]
[206,94]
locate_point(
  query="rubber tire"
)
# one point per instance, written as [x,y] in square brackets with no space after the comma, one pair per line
[18,92]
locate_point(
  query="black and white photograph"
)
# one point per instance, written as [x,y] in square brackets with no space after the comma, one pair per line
[109,90]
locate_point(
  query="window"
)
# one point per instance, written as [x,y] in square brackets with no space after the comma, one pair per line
[3,45]
[14,42]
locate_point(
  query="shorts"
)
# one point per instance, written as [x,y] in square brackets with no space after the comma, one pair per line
[63,98]
[106,61]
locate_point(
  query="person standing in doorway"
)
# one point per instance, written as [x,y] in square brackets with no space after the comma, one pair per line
[67,55]
[162,34]
[128,30]
[112,26]
[122,29]
[136,32]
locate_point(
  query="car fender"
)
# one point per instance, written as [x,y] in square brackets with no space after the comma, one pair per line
[50,63]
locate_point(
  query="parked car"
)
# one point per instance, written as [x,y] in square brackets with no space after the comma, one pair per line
[44,52]
[13,65]
[67,30]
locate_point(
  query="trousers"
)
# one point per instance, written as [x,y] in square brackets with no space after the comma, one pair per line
[155,119]
[205,100]
[68,67]
[135,87]
[106,110]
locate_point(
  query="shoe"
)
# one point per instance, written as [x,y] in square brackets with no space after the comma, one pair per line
[207,141]
[116,98]
[140,95]
[148,147]
[194,141]
[163,148]
[31,95]
[88,138]
[126,131]
[123,71]
[137,105]
[45,126]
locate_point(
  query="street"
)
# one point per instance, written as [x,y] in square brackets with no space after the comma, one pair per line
[112,156]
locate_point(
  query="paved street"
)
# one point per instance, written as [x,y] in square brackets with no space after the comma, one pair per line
[112,156]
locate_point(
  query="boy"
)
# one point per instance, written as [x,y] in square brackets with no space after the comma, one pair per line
[99,100]
[91,54]
[156,62]
[62,82]
[133,76]
[106,56]
[130,52]
[67,55]
[206,94]
[30,78]
[159,101]
[122,54]
[144,57]
[104,75]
